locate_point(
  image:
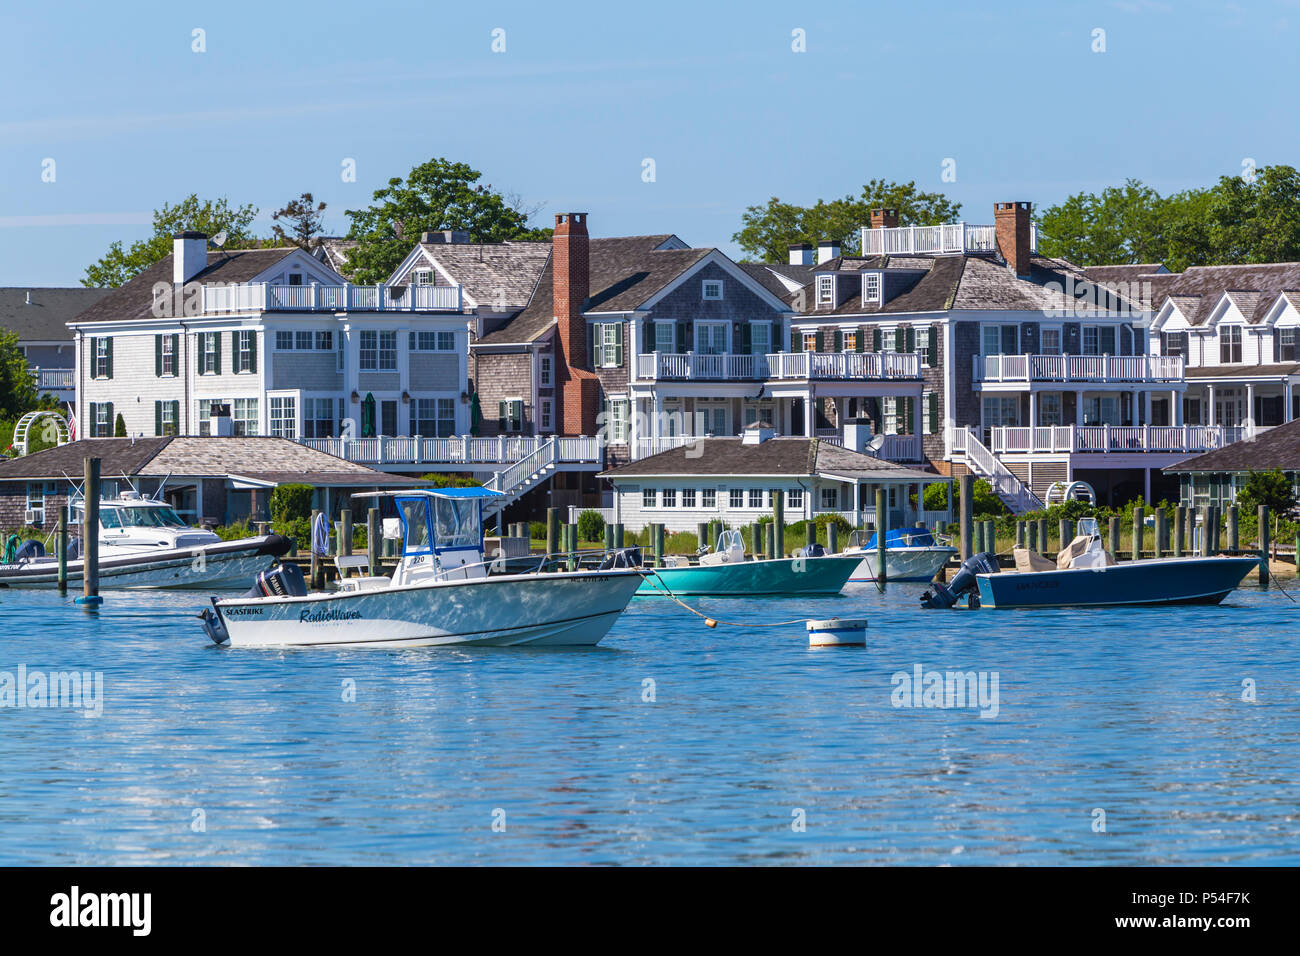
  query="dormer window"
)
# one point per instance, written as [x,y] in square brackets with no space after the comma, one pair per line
[825,290]
[712,290]
[1229,344]
[871,287]
[423,277]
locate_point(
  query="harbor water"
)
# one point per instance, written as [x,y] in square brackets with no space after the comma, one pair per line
[1144,736]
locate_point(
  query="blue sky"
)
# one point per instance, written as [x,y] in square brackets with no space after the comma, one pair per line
[713,93]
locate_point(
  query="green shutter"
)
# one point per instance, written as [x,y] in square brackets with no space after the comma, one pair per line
[157,418]
[860,341]
[176,418]
[796,340]
[932,358]
[934,413]
[875,339]
[109,370]
[839,341]
[252,351]
[681,336]
[820,341]
[618,344]
[112,420]
[910,337]
[157,356]
[746,339]
[234,351]
[88,426]
[93,350]
[217,352]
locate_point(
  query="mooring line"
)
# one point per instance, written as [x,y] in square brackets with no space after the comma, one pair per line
[714,622]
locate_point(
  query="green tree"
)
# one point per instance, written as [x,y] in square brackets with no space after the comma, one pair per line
[591,526]
[119,426]
[438,194]
[1271,488]
[303,217]
[291,502]
[17,389]
[767,232]
[1123,224]
[1256,221]
[121,264]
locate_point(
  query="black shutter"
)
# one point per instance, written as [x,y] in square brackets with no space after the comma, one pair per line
[157,356]
[681,336]
[252,351]
[176,418]
[109,369]
[216,352]
[502,412]
[796,340]
[875,339]
[88,426]
[234,350]
[176,355]
[839,341]
[94,350]
[934,413]
[860,341]
[157,418]
[932,359]
[910,336]
[746,339]
[647,336]
[112,421]
[821,341]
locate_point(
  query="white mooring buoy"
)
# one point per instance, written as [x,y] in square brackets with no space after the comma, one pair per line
[838,632]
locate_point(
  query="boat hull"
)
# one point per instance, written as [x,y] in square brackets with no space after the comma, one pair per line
[782,576]
[905,564]
[228,564]
[1161,581]
[537,610]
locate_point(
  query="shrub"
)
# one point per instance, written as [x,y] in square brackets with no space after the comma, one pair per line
[591,526]
[119,426]
[537,530]
[445,480]
[290,502]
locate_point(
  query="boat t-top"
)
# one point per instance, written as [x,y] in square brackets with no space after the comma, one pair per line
[445,591]
[911,554]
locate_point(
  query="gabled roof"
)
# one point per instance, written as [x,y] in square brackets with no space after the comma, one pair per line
[625,272]
[784,457]
[276,460]
[134,299]
[1127,272]
[499,276]
[334,251]
[1252,288]
[1277,447]
[780,280]
[45,318]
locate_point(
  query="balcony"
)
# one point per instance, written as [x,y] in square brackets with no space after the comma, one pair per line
[54,379]
[881,366]
[265,297]
[1083,369]
[462,452]
[697,366]
[947,239]
[1106,439]
[897,448]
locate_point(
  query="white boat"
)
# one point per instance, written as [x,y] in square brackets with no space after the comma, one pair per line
[445,591]
[911,554]
[144,543]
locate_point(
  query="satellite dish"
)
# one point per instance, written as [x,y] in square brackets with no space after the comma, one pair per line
[874,446]
[219,239]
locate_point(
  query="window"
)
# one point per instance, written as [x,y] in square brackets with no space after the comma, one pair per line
[283,341]
[546,415]
[1286,345]
[433,417]
[712,290]
[825,290]
[760,411]
[102,350]
[1101,410]
[1173,343]
[388,351]
[609,344]
[923,344]
[810,341]
[888,340]
[891,422]
[1229,344]
[850,341]
[510,416]
[688,497]
[1000,339]
[423,276]
[325,340]
[736,498]
[205,415]
[831,499]
[167,355]
[760,338]
[545,371]
[712,418]
[302,339]
[1001,410]
[665,337]
[209,353]
[756,497]
[709,498]
[165,417]
[669,498]
[648,497]
[1050,342]
[368,355]
[794,498]
[284,416]
[317,417]
[245,343]
[102,415]
[432,342]
[1099,340]
[617,426]
[871,287]
[295,278]
[1049,409]
[711,338]
[244,416]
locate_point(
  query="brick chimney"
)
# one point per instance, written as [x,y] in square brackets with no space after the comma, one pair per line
[579,387]
[884,218]
[1011,226]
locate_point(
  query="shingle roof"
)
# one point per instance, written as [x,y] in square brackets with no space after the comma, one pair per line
[46,318]
[1127,272]
[1241,371]
[262,458]
[787,457]
[769,276]
[500,275]
[334,251]
[625,272]
[1277,447]
[1253,288]
[134,299]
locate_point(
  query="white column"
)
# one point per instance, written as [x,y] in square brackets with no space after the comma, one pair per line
[1250,402]
[1210,402]
[1033,409]
[1176,408]
[1286,401]
[808,414]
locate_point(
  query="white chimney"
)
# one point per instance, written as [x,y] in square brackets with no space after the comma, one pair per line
[857,433]
[801,254]
[29,296]
[756,433]
[827,250]
[189,255]
[219,419]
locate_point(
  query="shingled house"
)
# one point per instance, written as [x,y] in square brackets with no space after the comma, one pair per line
[210,480]
[1216,477]
[39,317]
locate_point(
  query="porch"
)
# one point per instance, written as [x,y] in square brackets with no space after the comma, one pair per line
[1088,369]
[265,297]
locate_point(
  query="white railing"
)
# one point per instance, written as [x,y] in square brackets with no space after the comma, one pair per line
[698,365]
[844,365]
[645,447]
[512,478]
[1078,368]
[265,297]
[1014,493]
[461,450]
[54,379]
[930,240]
[1174,439]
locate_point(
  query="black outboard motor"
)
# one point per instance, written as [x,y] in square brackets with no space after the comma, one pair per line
[963,582]
[31,548]
[285,580]
[813,550]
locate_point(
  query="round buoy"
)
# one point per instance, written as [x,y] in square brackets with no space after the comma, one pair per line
[838,632]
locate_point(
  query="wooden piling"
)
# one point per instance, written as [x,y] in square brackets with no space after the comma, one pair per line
[659,545]
[809,533]
[757,541]
[552,531]
[1044,546]
[1114,536]
[882,531]
[966,487]
[1234,535]
[618,535]
[1205,531]
[609,537]
[1213,515]
[372,540]
[61,542]
[90,535]
[778,519]
[1263,547]
[1031,535]
[832,534]
[771,539]
[1162,533]
[1139,530]
[1180,530]
[1066,532]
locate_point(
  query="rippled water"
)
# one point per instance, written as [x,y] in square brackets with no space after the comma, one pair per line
[209,755]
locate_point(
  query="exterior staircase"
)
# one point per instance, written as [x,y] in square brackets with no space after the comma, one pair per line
[521,477]
[1015,494]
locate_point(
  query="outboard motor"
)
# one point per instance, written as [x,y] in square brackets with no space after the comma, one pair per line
[286,580]
[74,549]
[813,550]
[30,549]
[963,582]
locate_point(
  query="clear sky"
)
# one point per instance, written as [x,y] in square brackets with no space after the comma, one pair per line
[714,94]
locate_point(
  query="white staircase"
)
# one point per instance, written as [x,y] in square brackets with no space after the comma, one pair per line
[521,477]
[1015,494]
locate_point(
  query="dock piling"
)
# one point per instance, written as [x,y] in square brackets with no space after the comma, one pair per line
[1180,530]
[1162,533]
[882,530]
[1234,535]
[1263,547]
[61,542]
[1139,530]
[372,540]
[966,486]
[90,537]
[552,531]
[832,533]
[659,544]
[1114,536]
[778,519]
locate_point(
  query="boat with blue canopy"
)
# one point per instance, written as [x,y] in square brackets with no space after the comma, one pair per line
[911,554]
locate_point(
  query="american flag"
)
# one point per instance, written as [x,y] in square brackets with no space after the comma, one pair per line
[72,423]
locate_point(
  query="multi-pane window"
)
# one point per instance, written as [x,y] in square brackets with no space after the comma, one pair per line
[617,424]
[166,417]
[283,416]
[888,340]
[325,340]
[1173,343]
[760,338]
[708,498]
[387,351]
[205,415]
[510,416]
[850,341]
[1286,345]
[712,290]
[648,497]
[1049,409]
[1001,410]
[1099,340]
[546,414]
[1229,344]
[284,341]
[669,498]
[303,339]
[209,353]
[432,342]
[244,361]
[871,287]
[317,417]
[103,358]
[368,353]
[244,416]
[736,498]
[1050,342]
[103,422]
[756,497]
[688,497]
[1000,339]
[609,344]
[810,341]
[712,418]
[830,498]
[825,290]
[434,417]
[545,366]
[665,337]
[794,498]
[168,359]
[711,338]
[923,344]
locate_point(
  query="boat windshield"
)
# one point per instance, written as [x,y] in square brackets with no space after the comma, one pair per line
[416,525]
[1088,527]
[456,522]
[154,516]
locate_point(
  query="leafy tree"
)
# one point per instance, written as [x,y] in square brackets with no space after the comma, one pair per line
[591,526]
[291,502]
[438,194]
[1257,221]
[121,264]
[768,231]
[985,503]
[1271,488]
[303,216]
[17,389]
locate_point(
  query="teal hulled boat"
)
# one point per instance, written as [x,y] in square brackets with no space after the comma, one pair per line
[726,572]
